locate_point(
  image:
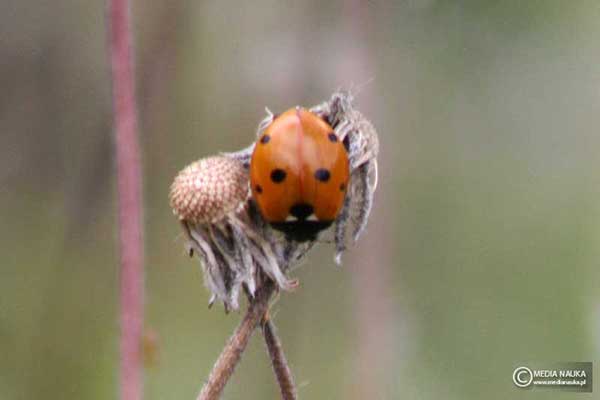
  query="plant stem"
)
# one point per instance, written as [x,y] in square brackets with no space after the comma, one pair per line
[278,360]
[232,353]
[129,199]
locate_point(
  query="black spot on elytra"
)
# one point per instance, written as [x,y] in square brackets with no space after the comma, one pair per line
[342,186]
[332,137]
[258,189]
[265,139]
[278,175]
[322,175]
[301,210]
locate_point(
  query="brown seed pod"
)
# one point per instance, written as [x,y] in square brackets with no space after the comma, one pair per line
[207,190]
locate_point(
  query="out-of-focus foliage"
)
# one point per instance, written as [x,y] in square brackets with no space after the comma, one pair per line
[482,250]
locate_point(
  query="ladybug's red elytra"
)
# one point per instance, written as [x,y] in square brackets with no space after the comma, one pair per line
[299,174]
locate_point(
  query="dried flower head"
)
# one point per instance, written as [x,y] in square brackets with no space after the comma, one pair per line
[237,248]
[207,190]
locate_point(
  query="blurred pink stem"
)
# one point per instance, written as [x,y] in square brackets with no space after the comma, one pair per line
[130,199]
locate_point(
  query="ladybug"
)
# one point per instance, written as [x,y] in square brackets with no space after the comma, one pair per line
[299,174]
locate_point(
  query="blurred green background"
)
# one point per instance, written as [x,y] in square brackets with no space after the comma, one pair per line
[481,253]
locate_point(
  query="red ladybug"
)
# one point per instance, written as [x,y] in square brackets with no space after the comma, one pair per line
[299,174]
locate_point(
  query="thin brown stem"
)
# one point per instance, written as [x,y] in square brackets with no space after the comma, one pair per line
[278,360]
[232,353]
[129,184]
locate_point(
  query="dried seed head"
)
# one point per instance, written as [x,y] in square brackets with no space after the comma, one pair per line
[224,228]
[211,199]
[207,190]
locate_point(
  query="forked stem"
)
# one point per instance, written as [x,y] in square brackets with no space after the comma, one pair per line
[232,353]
